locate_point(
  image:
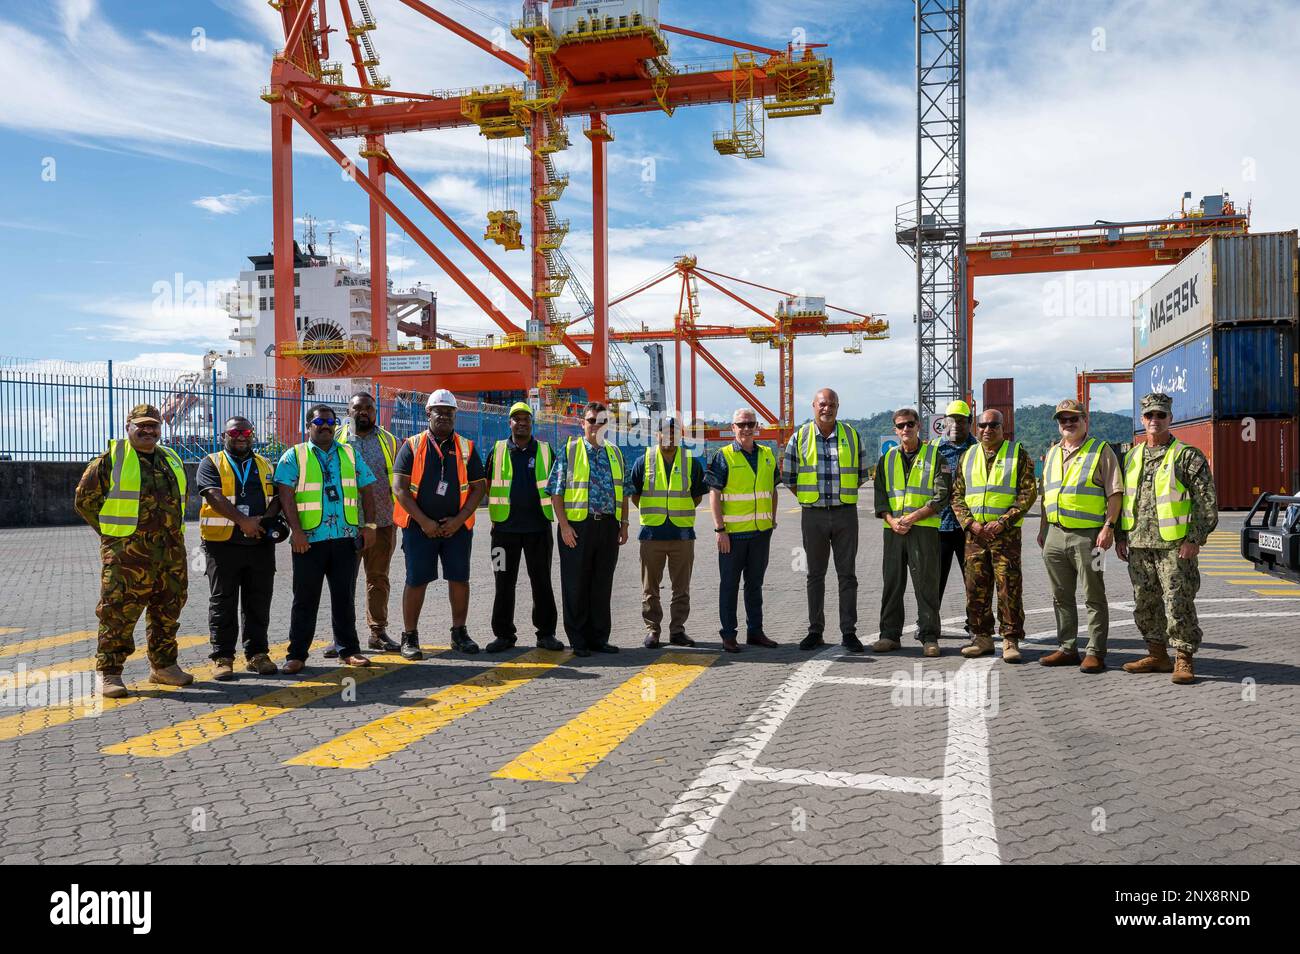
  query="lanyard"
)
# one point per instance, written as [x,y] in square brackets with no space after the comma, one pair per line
[243,473]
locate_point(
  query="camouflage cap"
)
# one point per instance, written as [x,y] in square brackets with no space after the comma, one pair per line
[1157,402]
[1069,406]
[143,412]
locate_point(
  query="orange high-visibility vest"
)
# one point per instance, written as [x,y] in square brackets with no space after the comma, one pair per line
[420,446]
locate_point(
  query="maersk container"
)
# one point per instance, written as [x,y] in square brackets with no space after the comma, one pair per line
[1247,457]
[1234,372]
[1225,280]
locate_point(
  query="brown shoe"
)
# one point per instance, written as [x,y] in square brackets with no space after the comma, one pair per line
[1061,657]
[1183,674]
[262,665]
[651,641]
[225,670]
[1011,650]
[113,687]
[293,666]
[758,639]
[885,645]
[1092,664]
[979,646]
[730,645]
[930,649]
[172,675]
[359,661]
[1156,660]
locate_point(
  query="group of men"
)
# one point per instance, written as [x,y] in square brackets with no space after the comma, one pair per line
[340,496]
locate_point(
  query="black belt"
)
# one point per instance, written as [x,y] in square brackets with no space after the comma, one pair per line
[602,516]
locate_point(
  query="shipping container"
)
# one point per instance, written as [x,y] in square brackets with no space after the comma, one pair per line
[999,392]
[1248,457]
[1239,371]
[1224,280]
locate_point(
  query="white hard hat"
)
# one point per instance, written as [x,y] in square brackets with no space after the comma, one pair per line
[441,398]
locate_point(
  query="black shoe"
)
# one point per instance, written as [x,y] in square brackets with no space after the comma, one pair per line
[651,641]
[852,644]
[380,641]
[605,648]
[811,641]
[681,639]
[461,642]
[499,645]
[331,653]
[584,653]
[410,648]
[551,643]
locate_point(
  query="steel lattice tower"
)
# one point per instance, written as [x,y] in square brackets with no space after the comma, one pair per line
[932,227]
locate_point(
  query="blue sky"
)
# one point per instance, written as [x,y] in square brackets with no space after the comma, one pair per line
[157,142]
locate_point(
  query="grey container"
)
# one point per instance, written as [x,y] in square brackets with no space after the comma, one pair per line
[1255,277]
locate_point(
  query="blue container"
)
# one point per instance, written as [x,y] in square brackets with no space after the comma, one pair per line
[1233,372]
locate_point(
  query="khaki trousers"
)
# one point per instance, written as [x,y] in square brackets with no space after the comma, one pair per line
[1069,559]
[377,561]
[679,557]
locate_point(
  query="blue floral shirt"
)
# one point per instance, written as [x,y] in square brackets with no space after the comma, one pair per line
[952,453]
[600,492]
[333,526]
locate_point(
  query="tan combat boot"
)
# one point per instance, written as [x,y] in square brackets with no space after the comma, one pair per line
[225,670]
[1010,650]
[930,649]
[885,645]
[113,687]
[1156,660]
[172,675]
[979,646]
[1183,674]
[262,665]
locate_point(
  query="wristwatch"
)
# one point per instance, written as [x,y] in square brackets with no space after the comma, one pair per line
[719,529]
[1109,524]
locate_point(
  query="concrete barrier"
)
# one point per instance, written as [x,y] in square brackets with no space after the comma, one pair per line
[39,493]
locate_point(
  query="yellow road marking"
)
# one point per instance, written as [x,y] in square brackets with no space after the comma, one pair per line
[1295,592]
[1221,573]
[1262,581]
[49,717]
[572,750]
[376,741]
[44,642]
[6,630]
[34,676]
[220,723]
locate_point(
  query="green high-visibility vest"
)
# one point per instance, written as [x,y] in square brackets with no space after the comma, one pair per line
[119,515]
[666,496]
[990,493]
[849,456]
[909,492]
[309,494]
[1070,499]
[747,497]
[578,478]
[387,443]
[503,475]
[1173,502]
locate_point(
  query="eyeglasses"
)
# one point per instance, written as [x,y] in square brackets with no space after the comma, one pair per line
[240,432]
[598,421]
[1154,415]
[982,425]
[1068,420]
[324,421]
[744,424]
[905,426]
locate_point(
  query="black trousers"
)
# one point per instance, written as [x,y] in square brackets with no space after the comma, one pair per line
[748,558]
[831,531]
[536,549]
[335,561]
[951,543]
[241,580]
[587,581]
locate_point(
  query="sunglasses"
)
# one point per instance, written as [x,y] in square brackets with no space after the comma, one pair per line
[905,426]
[324,421]
[983,425]
[1068,420]
[598,421]
[240,432]
[1154,415]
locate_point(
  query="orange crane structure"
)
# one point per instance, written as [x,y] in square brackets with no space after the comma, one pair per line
[1064,248]
[795,316]
[593,59]
[1085,379]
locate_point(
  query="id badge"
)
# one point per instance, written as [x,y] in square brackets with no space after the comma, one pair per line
[332,494]
[242,508]
[442,488]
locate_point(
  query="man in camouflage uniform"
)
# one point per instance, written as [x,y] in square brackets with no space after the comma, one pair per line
[1163,565]
[144,570]
[993,543]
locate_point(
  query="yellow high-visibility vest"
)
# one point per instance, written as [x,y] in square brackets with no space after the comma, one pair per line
[119,515]
[212,525]
[1173,500]
[991,492]
[1070,499]
[577,486]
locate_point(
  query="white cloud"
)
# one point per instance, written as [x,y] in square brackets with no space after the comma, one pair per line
[228,203]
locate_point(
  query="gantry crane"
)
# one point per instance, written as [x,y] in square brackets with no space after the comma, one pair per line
[794,316]
[580,62]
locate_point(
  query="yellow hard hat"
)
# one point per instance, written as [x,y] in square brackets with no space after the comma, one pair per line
[520,406]
[958,409]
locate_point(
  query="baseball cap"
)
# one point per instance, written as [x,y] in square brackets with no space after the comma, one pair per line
[1069,406]
[520,406]
[958,409]
[144,412]
[1157,402]
[441,398]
